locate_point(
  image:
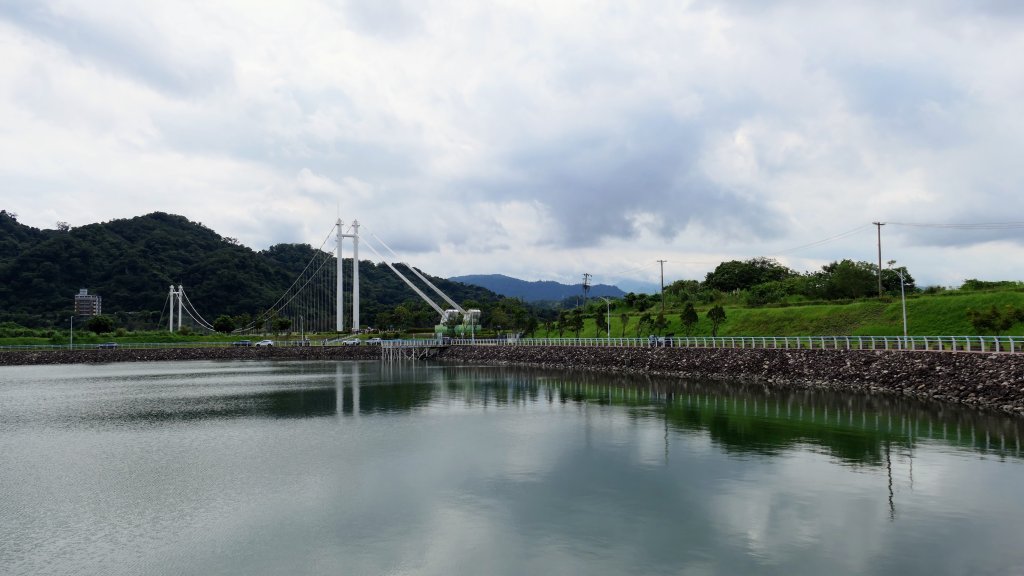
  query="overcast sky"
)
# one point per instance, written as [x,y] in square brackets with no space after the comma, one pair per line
[539,139]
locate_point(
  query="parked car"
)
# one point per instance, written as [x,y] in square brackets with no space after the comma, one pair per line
[242,343]
[262,343]
[107,345]
[351,342]
[374,341]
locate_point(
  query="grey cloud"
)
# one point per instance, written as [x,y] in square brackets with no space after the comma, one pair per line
[905,99]
[995,8]
[273,132]
[594,184]
[140,52]
[386,18]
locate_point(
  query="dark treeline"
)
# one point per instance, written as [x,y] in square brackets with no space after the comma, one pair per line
[131,263]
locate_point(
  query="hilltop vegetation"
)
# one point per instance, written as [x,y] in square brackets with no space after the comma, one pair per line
[132,262]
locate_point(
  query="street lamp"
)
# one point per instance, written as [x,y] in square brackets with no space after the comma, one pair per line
[903,299]
[608,318]
[71,345]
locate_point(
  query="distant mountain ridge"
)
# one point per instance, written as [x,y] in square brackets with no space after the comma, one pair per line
[536,291]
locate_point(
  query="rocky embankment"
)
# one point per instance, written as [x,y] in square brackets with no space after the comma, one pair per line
[990,381]
[162,354]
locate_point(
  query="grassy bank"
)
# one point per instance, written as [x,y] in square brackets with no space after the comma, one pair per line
[938,314]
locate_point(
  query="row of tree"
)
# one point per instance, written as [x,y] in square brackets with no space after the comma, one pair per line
[764,281]
[572,321]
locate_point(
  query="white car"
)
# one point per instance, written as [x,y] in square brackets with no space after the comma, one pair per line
[374,341]
[262,343]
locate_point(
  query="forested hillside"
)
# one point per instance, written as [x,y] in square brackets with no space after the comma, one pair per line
[132,262]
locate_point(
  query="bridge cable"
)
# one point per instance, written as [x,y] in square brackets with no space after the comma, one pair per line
[407,281]
[420,276]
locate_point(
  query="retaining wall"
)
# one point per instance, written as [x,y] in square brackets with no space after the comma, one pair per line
[991,381]
[156,354]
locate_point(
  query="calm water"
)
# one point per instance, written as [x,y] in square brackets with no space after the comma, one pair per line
[354,468]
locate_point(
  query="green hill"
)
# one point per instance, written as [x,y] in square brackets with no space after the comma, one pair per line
[131,262]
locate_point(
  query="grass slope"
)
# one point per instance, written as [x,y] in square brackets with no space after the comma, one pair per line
[927,315]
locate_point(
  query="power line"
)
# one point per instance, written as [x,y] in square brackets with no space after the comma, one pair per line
[826,240]
[974,226]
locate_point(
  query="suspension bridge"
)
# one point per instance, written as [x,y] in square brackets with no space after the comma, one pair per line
[314,302]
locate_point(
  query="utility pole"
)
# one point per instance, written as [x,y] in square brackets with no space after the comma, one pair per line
[662,262]
[879,225]
[586,288]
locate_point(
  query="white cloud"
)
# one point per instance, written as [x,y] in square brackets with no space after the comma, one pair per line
[534,139]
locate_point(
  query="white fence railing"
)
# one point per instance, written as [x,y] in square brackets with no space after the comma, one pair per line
[995,344]
[991,344]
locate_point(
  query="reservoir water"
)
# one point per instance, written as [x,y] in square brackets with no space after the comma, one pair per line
[363,468]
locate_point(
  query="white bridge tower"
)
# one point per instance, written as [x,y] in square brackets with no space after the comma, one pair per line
[175,294]
[339,289]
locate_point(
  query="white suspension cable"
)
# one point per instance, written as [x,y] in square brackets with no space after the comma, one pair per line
[420,276]
[201,320]
[274,306]
[406,280]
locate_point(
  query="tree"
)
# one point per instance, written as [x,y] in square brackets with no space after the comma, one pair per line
[643,302]
[601,322]
[282,324]
[500,319]
[717,316]
[624,320]
[576,321]
[736,275]
[891,280]
[660,323]
[100,324]
[846,279]
[224,324]
[645,321]
[683,290]
[994,320]
[531,326]
[400,317]
[241,320]
[689,318]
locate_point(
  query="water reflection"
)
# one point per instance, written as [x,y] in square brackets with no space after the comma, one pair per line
[363,468]
[856,429]
[743,419]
